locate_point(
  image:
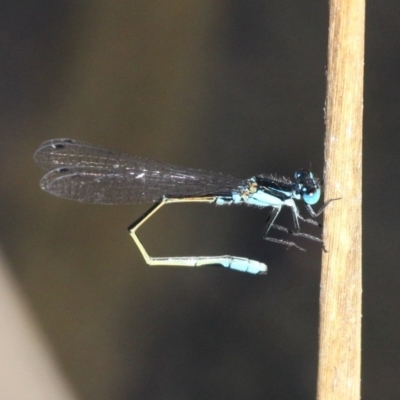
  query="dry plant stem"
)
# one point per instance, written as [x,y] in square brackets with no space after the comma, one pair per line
[340,301]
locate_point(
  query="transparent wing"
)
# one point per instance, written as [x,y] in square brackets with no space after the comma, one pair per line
[91,174]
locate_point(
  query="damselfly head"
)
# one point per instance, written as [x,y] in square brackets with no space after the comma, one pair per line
[308,187]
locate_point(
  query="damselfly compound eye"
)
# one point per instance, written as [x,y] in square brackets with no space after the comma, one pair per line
[310,195]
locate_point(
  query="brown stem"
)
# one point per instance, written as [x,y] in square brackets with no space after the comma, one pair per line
[341,288]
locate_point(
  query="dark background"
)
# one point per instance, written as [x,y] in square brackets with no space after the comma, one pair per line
[237,87]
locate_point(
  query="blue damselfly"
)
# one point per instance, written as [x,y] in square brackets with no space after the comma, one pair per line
[91,174]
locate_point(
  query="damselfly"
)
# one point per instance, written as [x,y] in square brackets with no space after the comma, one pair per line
[91,174]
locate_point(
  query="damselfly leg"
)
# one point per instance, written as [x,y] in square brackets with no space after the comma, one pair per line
[296,232]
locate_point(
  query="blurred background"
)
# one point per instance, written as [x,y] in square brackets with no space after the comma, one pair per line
[236,87]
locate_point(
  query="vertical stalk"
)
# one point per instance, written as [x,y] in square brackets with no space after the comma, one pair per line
[341,286]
